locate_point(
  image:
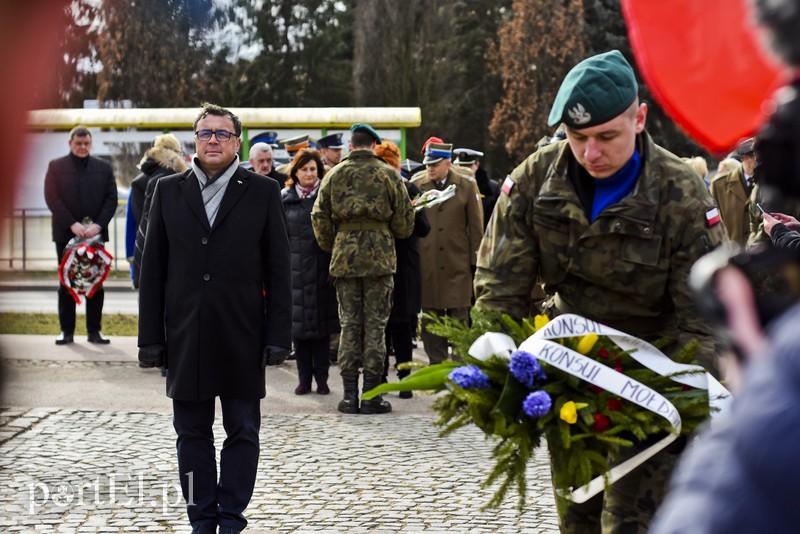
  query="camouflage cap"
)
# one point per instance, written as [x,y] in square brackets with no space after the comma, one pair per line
[367,129]
[595,91]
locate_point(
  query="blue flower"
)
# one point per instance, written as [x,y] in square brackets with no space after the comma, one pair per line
[537,404]
[469,377]
[525,368]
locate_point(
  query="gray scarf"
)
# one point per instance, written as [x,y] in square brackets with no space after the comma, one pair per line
[213,190]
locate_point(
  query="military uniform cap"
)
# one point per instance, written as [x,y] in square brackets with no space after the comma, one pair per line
[271,138]
[331,141]
[595,91]
[367,129]
[293,144]
[436,152]
[429,141]
[466,156]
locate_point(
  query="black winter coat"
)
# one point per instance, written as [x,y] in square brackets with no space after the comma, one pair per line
[784,238]
[407,278]
[73,192]
[490,192]
[315,312]
[151,171]
[215,296]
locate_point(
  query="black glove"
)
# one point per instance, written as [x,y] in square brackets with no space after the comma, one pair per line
[152,356]
[273,355]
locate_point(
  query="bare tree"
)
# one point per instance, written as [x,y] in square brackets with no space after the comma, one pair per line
[536,49]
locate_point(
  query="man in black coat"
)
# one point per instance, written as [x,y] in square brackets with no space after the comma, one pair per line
[81,192]
[215,309]
[469,159]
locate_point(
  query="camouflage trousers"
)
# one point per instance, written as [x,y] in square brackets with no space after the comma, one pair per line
[364,307]
[630,504]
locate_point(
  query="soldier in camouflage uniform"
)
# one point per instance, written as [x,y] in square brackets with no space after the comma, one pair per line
[611,223]
[361,207]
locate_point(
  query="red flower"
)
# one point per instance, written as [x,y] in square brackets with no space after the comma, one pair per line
[618,368]
[603,353]
[684,387]
[601,423]
[597,390]
[615,405]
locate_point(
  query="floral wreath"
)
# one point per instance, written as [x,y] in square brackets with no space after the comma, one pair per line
[84,267]
[588,390]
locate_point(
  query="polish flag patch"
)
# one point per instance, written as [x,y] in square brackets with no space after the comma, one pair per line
[508,185]
[712,217]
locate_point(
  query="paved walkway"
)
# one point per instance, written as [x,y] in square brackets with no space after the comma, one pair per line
[87,445]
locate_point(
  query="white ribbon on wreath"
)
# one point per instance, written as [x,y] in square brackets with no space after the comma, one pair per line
[594,372]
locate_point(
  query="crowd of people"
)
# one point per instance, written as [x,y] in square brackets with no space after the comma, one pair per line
[599,221]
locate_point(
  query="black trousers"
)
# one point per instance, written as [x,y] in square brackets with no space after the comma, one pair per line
[398,333]
[211,502]
[313,359]
[66,304]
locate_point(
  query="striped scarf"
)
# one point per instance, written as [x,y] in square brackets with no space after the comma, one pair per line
[213,190]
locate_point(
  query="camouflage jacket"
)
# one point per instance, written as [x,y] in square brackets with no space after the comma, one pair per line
[361,207]
[628,269]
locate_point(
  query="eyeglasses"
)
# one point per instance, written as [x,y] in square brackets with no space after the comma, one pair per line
[221,135]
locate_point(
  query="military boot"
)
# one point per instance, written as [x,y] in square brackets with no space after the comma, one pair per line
[375,404]
[349,404]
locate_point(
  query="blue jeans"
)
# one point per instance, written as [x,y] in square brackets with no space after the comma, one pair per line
[209,501]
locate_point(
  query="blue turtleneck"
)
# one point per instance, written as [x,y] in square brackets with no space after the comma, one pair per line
[608,191]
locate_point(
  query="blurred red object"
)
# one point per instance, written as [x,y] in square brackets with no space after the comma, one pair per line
[29,36]
[704,64]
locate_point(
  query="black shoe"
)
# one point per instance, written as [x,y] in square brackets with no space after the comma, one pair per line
[97,337]
[406,394]
[64,339]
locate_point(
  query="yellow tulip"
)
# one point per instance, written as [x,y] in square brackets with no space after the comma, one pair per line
[569,413]
[586,344]
[539,321]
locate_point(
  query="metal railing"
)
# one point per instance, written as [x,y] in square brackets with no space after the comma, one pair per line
[26,242]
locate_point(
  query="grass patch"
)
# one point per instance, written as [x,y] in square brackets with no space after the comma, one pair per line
[114,324]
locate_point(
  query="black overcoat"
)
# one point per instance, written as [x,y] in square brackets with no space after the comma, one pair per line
[73,192]
[315,311]
[215,295]
[407,279]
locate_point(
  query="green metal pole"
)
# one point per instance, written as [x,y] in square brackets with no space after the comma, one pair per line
[245,144]
[403,142]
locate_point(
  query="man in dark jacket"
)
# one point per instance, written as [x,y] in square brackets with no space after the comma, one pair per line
[470,159]
[215,309]
[81,192]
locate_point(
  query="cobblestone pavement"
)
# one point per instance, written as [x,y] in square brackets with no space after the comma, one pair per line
[69,470]
[87,445]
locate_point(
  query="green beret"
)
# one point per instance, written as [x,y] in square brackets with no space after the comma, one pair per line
[366,128]
[595,91]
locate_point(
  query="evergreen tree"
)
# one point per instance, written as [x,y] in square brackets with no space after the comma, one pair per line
[77,79]
[152,52]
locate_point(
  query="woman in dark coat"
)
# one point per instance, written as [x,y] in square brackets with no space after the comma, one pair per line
[407,280]
[315,313]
